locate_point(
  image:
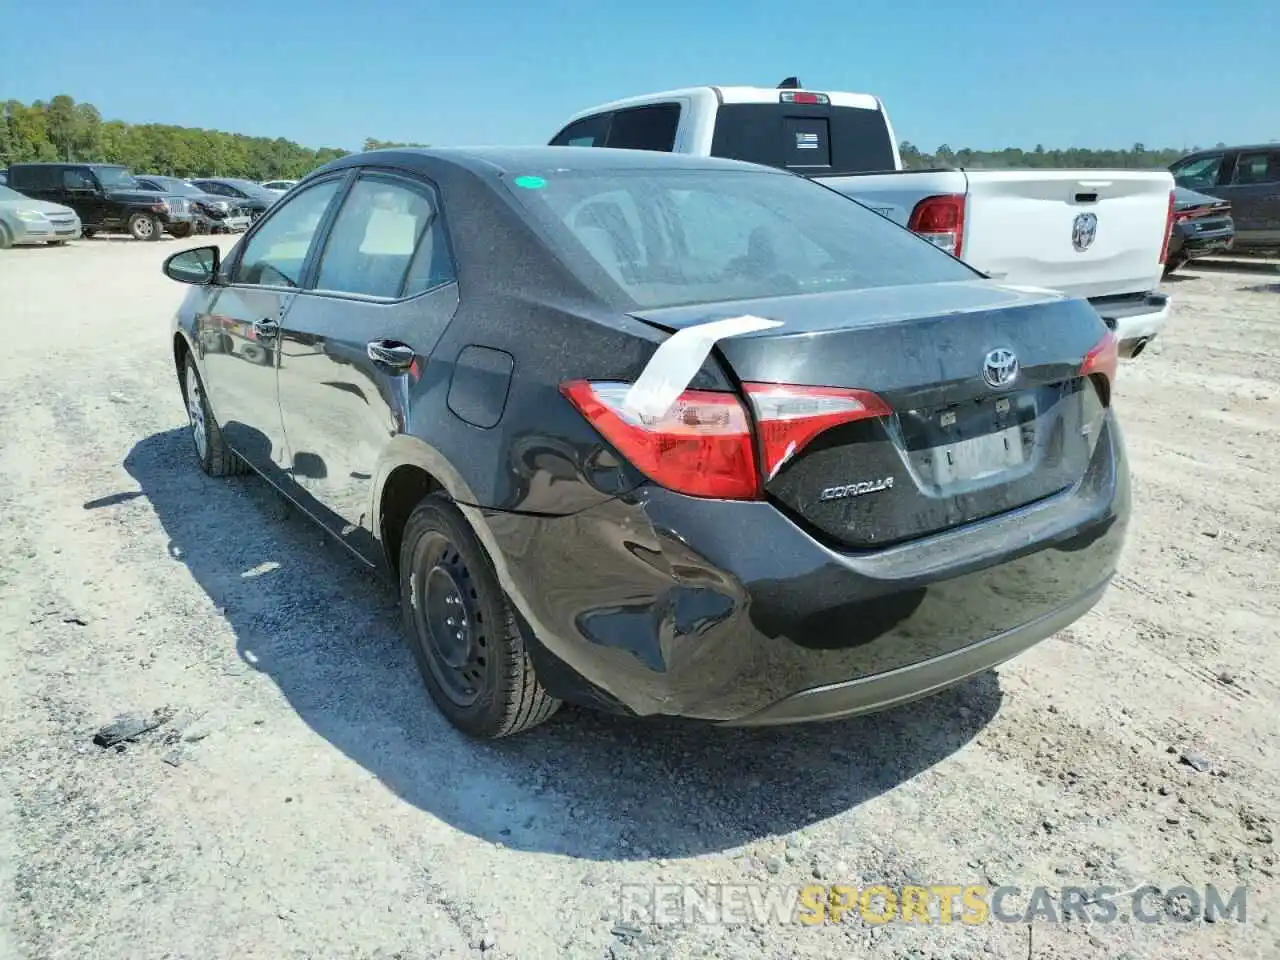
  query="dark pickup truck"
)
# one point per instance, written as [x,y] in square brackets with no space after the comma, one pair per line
[106,197]
[1249,179]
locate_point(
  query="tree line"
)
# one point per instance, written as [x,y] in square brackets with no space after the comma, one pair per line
[1137,157]
[62,129]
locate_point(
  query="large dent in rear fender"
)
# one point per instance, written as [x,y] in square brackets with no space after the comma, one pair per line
[617,601]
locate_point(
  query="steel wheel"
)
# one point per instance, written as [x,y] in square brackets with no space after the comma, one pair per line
[462,630]
[195,413]
[450,621]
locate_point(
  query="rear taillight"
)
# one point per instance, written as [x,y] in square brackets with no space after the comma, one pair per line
[940,220]
[1168,229]
[1103,361]
[702,446]
[789,417]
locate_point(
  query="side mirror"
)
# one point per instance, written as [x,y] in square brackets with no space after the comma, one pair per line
[199,265]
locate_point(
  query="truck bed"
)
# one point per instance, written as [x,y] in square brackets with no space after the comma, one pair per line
[1089,233]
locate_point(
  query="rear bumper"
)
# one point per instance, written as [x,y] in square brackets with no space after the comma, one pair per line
[1135,320]
[868,694]
[725,611]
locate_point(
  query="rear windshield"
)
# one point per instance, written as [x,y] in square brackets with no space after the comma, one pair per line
[808,138]
[679,236]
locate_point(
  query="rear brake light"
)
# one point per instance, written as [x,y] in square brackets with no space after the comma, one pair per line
[940,220]
[1168,229]
[1103,360]
[796,96]
[702,446]
[789,417]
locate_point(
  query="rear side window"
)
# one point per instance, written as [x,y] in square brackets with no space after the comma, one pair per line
[814,138]
[650,127]
[684,236]
[34,178]
[385,242]
[1260,166]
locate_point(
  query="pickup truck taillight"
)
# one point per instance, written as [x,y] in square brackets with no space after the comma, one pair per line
[940,220]
[1168,229]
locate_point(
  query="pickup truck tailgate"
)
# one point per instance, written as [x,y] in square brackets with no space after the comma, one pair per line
[1090,235]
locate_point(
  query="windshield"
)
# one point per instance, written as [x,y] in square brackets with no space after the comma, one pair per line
[113,178]
[680,236]
[252,189]
[180,187]
[7,194]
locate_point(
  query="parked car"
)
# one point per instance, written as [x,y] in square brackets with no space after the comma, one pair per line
[216,214]
[24,220]
[755,456]
[105,197]
[1098,234]
[1249,179]
[252,197]
[279,186]
[1202,225]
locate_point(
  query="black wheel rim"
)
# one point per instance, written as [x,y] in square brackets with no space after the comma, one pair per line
[449,621]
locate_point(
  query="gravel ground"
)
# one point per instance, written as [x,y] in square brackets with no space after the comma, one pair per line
[303,799]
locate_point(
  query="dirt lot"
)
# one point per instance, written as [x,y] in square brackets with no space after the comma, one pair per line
[307,801]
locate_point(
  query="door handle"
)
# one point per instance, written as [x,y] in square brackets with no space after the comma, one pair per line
[391,353]
[265,329]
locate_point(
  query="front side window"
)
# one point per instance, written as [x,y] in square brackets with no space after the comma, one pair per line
[115,178]
[1199,173]
[1261,166]
[277,253]
[587,132]
[669,237]
[386,242]
[78,180]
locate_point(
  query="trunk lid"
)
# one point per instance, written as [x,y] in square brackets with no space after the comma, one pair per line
[955,448]
[1089,234]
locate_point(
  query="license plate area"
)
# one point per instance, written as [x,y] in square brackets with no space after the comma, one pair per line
[966,442]
[977,457]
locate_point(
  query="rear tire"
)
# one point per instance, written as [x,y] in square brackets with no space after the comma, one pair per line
[216,458]
[87,233]
[462,630]
[143,226]
[6,239]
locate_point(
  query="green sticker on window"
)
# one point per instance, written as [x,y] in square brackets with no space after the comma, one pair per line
[530,183]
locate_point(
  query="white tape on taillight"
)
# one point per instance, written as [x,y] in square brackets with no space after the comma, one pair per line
[679,358]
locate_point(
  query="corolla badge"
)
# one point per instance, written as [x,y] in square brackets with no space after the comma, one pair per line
[855,489]
[1000,368]
[1083,231]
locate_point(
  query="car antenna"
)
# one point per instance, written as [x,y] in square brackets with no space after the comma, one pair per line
[791,83]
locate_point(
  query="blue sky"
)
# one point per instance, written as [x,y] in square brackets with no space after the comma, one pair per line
[985,73]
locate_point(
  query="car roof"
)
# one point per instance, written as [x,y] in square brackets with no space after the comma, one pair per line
[1207,151]
[495,161]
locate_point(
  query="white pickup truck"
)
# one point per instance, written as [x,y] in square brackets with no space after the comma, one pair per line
[1099,234]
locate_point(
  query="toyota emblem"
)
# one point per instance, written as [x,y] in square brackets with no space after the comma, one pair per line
[1000,367]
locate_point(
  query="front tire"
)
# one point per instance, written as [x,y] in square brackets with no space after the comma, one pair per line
[143,226]
[180,230]
[462,630]
[216,458]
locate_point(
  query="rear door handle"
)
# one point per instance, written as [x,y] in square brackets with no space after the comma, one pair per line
[391,353]
[265,329]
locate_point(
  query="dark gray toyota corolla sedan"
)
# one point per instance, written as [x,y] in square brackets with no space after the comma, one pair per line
[659,434]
